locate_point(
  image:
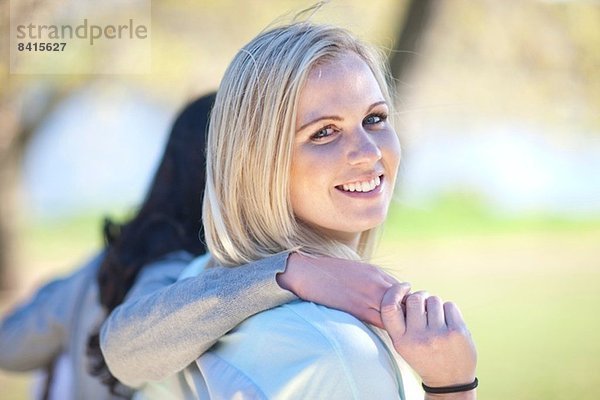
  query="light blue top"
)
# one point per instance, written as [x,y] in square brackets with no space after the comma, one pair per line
[300,350]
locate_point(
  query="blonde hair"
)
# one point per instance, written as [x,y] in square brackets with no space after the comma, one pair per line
[247,208]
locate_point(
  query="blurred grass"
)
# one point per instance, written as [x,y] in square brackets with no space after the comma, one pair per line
[465,214]
[56,245]
[528,287]
[58,238]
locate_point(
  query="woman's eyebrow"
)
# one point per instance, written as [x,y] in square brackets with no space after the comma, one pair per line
[324,117]
[335,117]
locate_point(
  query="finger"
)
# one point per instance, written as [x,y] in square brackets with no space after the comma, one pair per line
[454,318]
[416,318]
[435,312]
[392,315]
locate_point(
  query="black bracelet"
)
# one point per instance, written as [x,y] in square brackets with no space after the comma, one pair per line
[451,389]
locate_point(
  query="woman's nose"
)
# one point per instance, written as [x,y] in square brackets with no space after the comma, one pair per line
[362,148]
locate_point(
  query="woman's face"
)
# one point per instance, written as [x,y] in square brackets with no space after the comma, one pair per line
[346,153]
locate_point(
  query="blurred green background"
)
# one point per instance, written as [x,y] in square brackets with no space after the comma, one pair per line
[498,203]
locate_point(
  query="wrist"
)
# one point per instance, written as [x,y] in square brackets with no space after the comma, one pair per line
[287,279]
[447,381]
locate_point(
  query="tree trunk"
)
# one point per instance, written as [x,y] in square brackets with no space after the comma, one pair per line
[416,20]
[8,197]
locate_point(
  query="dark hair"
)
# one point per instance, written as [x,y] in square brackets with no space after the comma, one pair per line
[169,219]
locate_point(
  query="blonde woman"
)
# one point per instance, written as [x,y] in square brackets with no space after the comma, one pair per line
[302,157]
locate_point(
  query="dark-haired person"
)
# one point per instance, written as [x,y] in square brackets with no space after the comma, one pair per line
[57,328]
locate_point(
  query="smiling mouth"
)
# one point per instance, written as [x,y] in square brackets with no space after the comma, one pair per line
[361,186]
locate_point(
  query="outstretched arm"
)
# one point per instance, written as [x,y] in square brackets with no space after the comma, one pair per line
[164,326]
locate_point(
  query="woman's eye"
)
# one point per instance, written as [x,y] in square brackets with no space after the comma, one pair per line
[374,119]
[323,133]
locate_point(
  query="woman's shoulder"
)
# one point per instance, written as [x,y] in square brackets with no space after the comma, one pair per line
[309,346]
[300,326]
[316,325]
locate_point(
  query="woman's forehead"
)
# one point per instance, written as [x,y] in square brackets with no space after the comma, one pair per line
[347,79]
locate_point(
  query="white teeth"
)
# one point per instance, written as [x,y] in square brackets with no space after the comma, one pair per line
[365,186]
